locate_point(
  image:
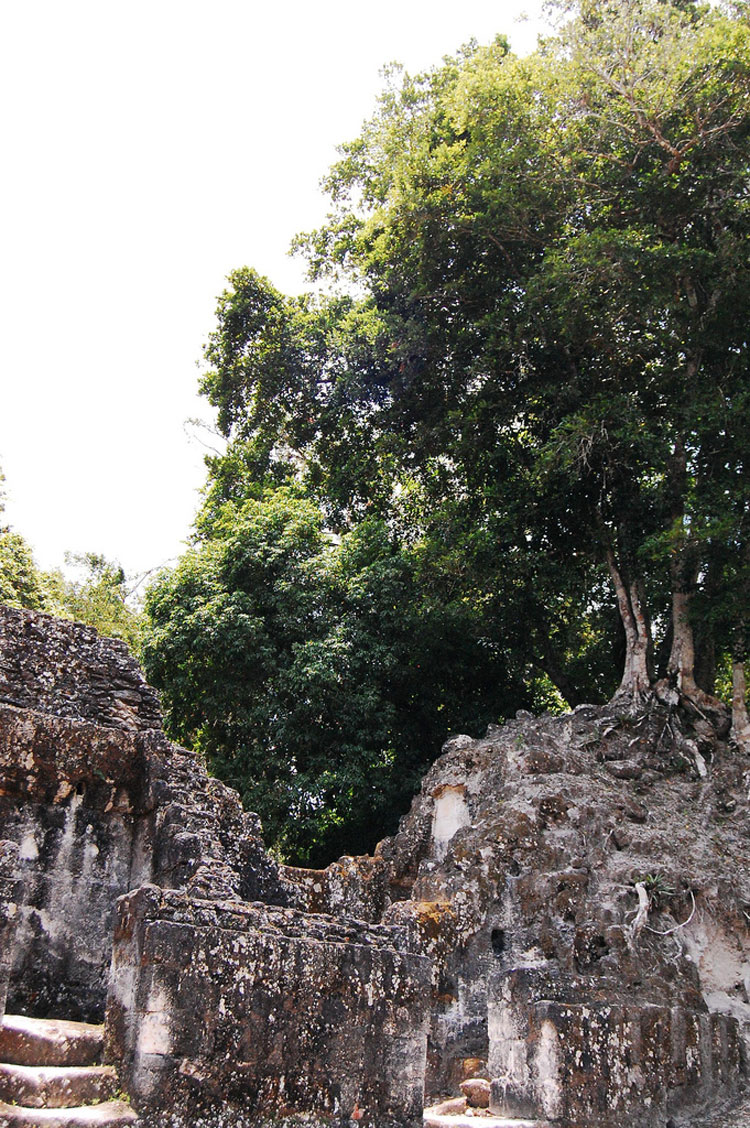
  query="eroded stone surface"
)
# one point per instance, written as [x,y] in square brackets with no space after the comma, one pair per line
[529,911]
[477,1092]
[93,810]
[68,670]
[56,1086]
[110,1114]
[565,907]
[10,893]
[69,802]
[39,1041]
[271,1010]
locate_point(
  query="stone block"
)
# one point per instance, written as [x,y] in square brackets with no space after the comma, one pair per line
[68,799]
[477,1092]
[597,1064]
[9,896]
[352,886]
[267,1010]
[94,811]
[68,670]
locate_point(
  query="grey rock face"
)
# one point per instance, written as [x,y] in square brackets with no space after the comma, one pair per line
[226,1003]
[9,896]
[563,913]
[69,801]
[266,1009]
[94,810]
[68,670]
[521,870]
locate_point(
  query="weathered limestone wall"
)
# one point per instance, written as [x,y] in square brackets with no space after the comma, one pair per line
[604,1061]
[98,802]
[517,872]
[200,838]
[8,913]
[70,802]
[97,811]
[353,887]
[265,1013]
[72,706]
[242,1012]
[67,670]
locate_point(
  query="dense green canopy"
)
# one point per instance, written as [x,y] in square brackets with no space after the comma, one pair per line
[317,675]
[529,373]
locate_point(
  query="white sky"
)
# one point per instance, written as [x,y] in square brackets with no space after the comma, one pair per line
[150,147]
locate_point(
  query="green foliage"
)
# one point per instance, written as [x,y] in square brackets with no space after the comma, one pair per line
[100,596]
[318,676]
[21,582]
[535,382]
[657,889]
[557,248]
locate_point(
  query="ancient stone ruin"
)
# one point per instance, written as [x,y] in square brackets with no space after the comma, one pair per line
[562,920]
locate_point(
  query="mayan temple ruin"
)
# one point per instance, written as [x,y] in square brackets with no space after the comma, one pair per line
[563,919]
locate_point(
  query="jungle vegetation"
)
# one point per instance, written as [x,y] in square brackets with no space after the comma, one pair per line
[96,591]
[496,457]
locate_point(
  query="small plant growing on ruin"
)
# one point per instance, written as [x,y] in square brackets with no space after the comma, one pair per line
[656,889]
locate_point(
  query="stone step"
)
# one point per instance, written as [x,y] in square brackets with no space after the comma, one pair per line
[111,1114]
[49,1041]
[434,1118]
[56,1086]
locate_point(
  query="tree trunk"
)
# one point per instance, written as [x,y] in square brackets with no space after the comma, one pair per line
[740,719]
[680,677]
[636,677]
[681,669]
[683,575]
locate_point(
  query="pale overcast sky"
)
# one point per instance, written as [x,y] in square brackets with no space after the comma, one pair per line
[149,148]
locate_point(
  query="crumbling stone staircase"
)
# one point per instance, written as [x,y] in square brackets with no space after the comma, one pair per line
[50,1076]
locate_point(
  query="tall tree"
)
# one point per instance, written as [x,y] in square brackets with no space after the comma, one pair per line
[560,243]
[318,676]
[535,385]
